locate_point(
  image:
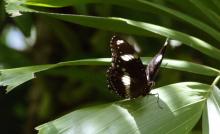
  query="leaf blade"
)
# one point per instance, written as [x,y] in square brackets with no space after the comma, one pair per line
[16,76]
[211,115]
[139,115]
[138,28]
[131,27]
[213,16]
[137,5]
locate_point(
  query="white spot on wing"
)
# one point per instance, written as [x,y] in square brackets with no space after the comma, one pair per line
[148,77]
[126,79]
[127,57]
[113,64]
[119,42]
[158,58]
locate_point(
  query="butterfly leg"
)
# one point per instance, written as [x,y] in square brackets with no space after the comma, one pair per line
[165,64]
[158,99]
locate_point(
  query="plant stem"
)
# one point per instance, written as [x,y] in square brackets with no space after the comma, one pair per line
[216,80]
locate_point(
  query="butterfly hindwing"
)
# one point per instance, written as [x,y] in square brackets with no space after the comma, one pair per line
[114,81]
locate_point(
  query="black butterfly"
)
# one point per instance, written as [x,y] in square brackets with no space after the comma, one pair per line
[127,76]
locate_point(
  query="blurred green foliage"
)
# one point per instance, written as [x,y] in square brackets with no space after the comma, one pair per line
[59,91]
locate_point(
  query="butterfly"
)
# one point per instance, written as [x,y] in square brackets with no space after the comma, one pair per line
[127,76]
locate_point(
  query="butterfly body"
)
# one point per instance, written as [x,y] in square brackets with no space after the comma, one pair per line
[127,76]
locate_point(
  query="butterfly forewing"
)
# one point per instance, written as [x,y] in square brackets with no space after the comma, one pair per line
[126,76]
[153,67]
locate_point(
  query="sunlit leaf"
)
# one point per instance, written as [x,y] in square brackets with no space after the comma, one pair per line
[211,114]
[139,28]
[130,27]
[142,5]
[14,77]
[14,7]
[181,103]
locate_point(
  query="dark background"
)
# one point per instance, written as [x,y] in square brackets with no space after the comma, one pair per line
[59,91]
